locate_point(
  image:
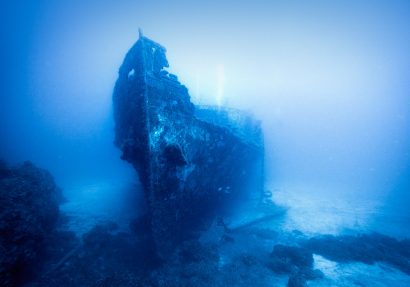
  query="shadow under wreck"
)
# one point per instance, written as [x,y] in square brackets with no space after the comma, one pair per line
[195,163]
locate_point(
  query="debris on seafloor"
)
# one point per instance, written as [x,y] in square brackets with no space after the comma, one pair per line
[194,162]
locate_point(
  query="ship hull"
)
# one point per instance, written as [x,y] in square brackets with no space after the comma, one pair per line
[191,169]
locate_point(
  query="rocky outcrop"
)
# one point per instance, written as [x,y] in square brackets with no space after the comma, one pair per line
[194,162]
[29,200]
[295,261]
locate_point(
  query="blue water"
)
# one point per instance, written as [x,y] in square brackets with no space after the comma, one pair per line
[329,82]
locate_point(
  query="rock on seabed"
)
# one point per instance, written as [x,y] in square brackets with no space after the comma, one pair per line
[29,200]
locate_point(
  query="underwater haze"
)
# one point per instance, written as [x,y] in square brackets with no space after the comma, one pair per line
[328,80]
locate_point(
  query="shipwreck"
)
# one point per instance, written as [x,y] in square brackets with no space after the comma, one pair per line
[195,163]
